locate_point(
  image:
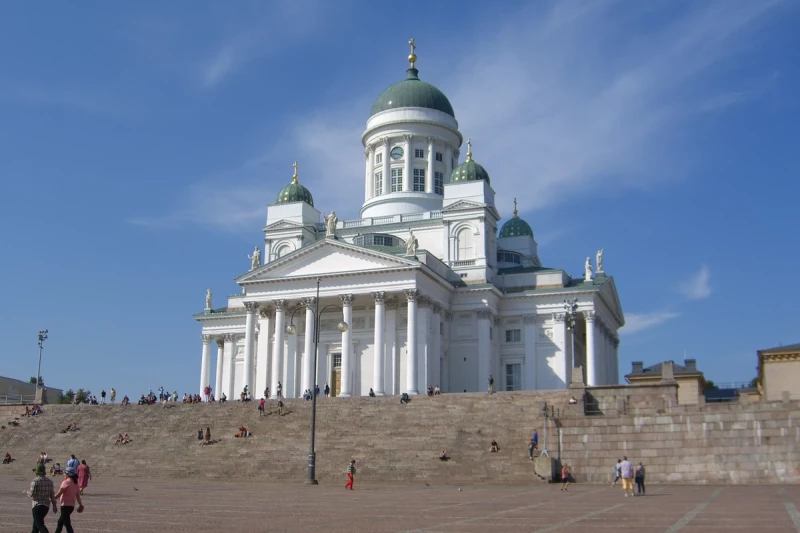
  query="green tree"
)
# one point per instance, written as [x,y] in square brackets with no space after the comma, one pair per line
[710,385]
[754,382]
[33,380]
[67,397]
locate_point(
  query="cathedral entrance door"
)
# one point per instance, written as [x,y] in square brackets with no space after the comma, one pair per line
[336,374]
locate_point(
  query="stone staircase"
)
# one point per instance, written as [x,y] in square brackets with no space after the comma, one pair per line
[391,442]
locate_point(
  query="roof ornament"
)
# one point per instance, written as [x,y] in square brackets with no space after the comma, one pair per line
[412,57]
[469,149]
[294,177]
[516,213]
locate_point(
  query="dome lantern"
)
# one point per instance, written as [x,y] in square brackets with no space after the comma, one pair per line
[294,192]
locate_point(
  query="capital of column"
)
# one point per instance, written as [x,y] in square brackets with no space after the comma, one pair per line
[251,307]
[207,339]
[559,317]
[407,137]
[431,140]
[309,301]
[280,305]
[228,337]
[265,312]
[483,314]
[589,316]
[385,141]
[529,319]
[615,340]
[411,294]
[220,343]
[380,297]
[347,299]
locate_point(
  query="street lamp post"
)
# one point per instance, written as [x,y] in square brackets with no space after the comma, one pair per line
[570,314]
[292,330]
[42,338]
[544,446]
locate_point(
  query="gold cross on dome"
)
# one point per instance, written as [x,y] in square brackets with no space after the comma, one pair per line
[469,149]
[515,207]
[412,57]
[295,171]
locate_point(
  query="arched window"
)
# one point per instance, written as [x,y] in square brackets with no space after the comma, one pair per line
[464,239]
[283,250]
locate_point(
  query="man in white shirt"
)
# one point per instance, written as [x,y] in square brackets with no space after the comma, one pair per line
[626,470]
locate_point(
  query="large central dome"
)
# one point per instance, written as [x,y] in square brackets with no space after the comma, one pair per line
[412,92]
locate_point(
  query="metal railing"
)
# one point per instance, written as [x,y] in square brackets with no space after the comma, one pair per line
[17,398]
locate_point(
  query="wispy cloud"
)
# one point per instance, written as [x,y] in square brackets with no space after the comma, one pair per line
[638,322]
[698,287]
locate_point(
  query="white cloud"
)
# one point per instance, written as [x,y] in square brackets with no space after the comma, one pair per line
[637,322]
[698,287]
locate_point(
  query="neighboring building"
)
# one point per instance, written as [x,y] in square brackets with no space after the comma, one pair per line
[16,391]
[779,372]
[690,380]
[433,289]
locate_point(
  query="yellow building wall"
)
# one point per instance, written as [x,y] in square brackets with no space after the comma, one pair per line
[688,391]
[781,376]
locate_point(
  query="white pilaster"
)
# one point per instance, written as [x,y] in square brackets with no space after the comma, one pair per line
[591,349]
[445,378]
[277,350]
[561,336]
[436,341]
[615,359]
[393,375]
[230,365]
[485,350]
[368,180]
[429,171]
[263,349]
[309,356]
[220,367]
[249,344]
[387,172]
[411,342]
[205,363]
[424,345]
[529,338]
[290,373]
[448,162]
[407,181]
[379,378]
[347,346]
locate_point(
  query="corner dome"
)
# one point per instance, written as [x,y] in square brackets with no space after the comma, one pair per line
[294,192]
[515,226]
[469,170]
[412,92]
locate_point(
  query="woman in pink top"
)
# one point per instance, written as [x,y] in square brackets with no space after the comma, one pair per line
[84,475]
[69,492]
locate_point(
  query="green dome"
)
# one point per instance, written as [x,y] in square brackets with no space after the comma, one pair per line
[294,192]
[412,92]
[515,227]
[469,170]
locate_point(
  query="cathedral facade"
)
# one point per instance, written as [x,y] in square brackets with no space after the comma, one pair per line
[426,288]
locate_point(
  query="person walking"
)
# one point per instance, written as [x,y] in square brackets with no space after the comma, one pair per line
[564,477]
[491,384]
[261,403]
[73,463]
[208,435]
[626,472]
[639,477]
[84,475]
[41,493]
[615,473]
[279,391]
[113,395]
[103,397]
[534,444]
[69,493]
[351,474]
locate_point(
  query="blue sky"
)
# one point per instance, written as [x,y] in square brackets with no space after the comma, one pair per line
[140,144]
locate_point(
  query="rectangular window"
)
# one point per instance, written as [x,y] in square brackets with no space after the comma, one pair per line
[419,179]
[382,240]
[439,156]
[379,158]
[514,377]
[513,335]
[378,183]
[438,182]
[419,154]
[397,179]
[337,360]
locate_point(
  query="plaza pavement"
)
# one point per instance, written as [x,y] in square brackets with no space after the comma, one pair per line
[115,505]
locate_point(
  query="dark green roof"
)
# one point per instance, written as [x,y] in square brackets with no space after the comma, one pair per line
[515,227]
[469,170]
[412,92]
[294,192]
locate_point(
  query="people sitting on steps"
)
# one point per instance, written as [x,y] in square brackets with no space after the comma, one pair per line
[443,456]
[436,390]
[56,470]
[242,433]
[7,459]
[223,398]
[371,393]
[430,390]
[494,448]
[404,398]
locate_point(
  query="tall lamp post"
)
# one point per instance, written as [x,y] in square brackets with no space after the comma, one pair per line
[292,330]
[42,338]
[570,314]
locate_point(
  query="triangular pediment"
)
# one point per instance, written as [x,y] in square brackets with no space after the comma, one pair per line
[609,291]
[328,257]
[283,224]
[463,205]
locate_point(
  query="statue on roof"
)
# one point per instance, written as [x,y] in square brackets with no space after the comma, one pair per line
[600,261]
[208,298]
[411,244]
[330,224]
[587,276]
[255,259]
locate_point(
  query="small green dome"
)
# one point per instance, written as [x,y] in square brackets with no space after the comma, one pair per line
[515,226]
[294,192]
[469,170]
[412,92]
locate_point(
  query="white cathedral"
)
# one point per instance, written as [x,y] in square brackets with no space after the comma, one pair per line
[422,290]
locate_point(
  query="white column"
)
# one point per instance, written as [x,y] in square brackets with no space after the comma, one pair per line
[424,344]
[445,378]
[277,349]
[230,362]
[262,352]
[448,162]
[378,378]
[529,338]
[485,351]
[407,166]
[615,359]
[387,173]
[347,346]
[429,172]
[249,344]
[368,181]
[561,337]
[591,351]
[436,346]
[309,356]
[411,342]
[220,367]
[391,358]
[205,363]
[290,373]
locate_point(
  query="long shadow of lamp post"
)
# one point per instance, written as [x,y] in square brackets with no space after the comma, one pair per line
[291,329]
